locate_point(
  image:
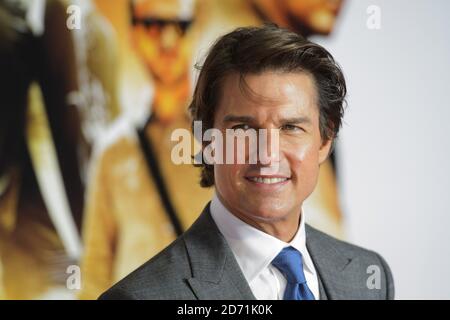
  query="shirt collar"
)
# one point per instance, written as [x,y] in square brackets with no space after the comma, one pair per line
[254,249]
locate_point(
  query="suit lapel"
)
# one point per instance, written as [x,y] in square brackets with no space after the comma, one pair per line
[217,276]
[333,266]
[215,272]
[322,292]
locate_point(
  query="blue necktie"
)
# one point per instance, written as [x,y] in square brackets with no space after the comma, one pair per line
[289,262]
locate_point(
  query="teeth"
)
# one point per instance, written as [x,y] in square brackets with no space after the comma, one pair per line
[267,180]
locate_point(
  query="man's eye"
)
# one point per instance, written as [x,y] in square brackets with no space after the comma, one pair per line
[290,127]
[242,126]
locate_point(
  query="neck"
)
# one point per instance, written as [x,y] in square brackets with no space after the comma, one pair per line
[171,99]
[284,228]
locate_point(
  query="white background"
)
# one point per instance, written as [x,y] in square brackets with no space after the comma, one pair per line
[394,157]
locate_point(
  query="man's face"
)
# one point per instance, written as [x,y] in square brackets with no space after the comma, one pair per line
[284,101]
[318,15]
[159,34]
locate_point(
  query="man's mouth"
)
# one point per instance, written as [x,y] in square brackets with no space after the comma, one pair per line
[267,180]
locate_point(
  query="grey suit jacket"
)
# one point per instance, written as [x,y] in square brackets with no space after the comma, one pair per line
[200,265]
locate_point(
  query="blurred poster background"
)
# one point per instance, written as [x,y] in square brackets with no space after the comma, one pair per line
[91,91]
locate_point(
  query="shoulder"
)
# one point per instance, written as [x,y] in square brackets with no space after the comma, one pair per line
[361,261]
[342,246]
[162,277]
[121,133]
[116,151]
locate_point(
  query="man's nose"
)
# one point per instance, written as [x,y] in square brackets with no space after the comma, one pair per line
[268,147]
[169,37]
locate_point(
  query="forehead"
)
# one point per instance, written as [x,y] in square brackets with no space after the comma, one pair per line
[168,9]
[268,93]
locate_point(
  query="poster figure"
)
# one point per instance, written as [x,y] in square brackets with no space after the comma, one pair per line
[138,200]
[56,96]
[37,243]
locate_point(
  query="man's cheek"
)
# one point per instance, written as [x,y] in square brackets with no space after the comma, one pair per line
[304,165]
[238,176]
[300,154]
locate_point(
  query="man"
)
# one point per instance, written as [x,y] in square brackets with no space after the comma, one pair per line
[136,202]
[251,240]
[308,18]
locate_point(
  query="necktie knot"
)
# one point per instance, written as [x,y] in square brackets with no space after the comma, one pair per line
[289,262]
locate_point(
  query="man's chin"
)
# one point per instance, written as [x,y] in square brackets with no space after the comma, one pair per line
[267,213]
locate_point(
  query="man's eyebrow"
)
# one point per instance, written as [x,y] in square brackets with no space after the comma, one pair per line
[249,119]
[234,118]
[296,120]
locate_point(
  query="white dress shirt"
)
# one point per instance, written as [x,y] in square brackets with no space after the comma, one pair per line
[254,251]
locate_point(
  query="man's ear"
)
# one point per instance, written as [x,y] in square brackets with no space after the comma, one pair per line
[324,150]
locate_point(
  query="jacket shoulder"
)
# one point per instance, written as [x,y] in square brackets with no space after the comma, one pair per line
[343,246]
[162,277]
[368,260]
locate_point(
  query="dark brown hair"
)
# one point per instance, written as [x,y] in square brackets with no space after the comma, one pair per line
[253,50]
